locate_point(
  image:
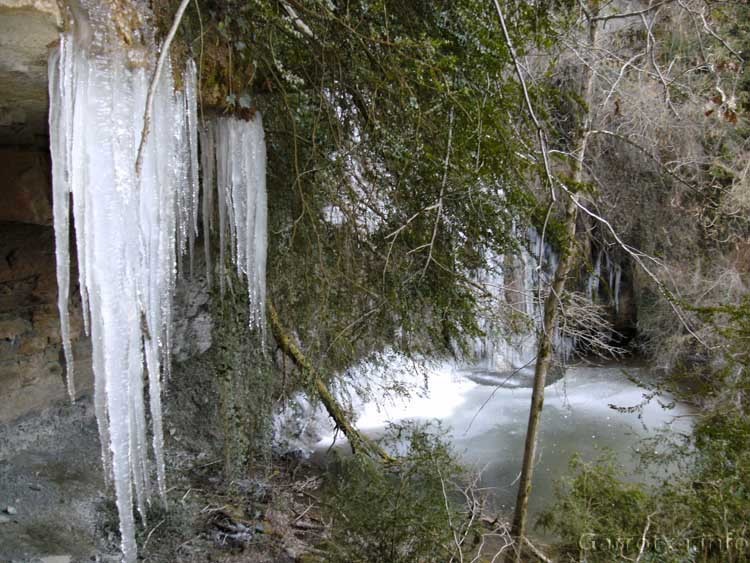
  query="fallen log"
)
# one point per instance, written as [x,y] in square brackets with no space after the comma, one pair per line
[312,379]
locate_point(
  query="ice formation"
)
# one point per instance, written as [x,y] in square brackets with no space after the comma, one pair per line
[516,280]
[594,277]
[234,160]
[129,229]
[134,232]
[605,264]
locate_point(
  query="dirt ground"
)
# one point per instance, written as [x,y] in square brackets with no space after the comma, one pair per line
[54,507]
[51,487]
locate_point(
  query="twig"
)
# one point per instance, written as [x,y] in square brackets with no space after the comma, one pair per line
[214,462]
[442,192]
[536,551]
[638,257]
[450,519]
[643,537]
[620,75]
[302,515]
[630,14]
[308,526]
[497,387]
[710,31]
[650,43]
[635,145]
[186,494]
[154,83]
[148,537]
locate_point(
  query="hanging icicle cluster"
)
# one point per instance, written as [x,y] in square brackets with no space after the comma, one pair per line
[129,229]
[500,350]
[234,160]
[133,227]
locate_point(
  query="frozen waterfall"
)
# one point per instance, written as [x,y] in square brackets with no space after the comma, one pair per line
[135,231]
[514,282]
[128,228]
[509,345]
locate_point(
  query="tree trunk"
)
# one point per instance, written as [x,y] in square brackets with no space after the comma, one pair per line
[545,350]
[543,361]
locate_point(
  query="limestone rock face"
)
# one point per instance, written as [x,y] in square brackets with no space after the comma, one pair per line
[25,189]
[192,325]
[31,365]
[31,372]
[27,27]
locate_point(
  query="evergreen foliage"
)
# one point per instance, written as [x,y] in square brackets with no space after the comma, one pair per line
[395,164]
[701,511]
[403,512]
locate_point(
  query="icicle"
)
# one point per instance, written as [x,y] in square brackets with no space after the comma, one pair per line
[236,203]
[594,277]
[499,351]
[154,389]
[618,278]
[253,135]
[222,187]
[100,391]
[191,113]
[208,160]
[129,229]
[131,232]
[79,76]
[182,203]
[258,297]
[138,443]
[240,154]
[59,124]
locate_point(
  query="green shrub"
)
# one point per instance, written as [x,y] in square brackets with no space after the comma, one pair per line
[699,513]
[596,515]
[408,511]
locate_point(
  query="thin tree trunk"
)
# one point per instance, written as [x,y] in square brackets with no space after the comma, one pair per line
[545,351]
[544,360]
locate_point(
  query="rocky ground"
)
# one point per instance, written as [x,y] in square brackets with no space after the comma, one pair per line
[51,486]
[54,507]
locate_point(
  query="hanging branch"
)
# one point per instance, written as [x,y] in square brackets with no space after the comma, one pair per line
[541,135]
[154,82]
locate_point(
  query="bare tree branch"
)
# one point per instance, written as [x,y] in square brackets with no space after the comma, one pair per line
[633,14]
[651,50]
[529,106]
[155,82]
[702,15]
[442,193]
[638,257]
[635,145]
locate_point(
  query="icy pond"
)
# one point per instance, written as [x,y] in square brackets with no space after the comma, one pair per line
[486,415]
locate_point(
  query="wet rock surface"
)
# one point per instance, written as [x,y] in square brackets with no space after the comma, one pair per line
[25,186]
